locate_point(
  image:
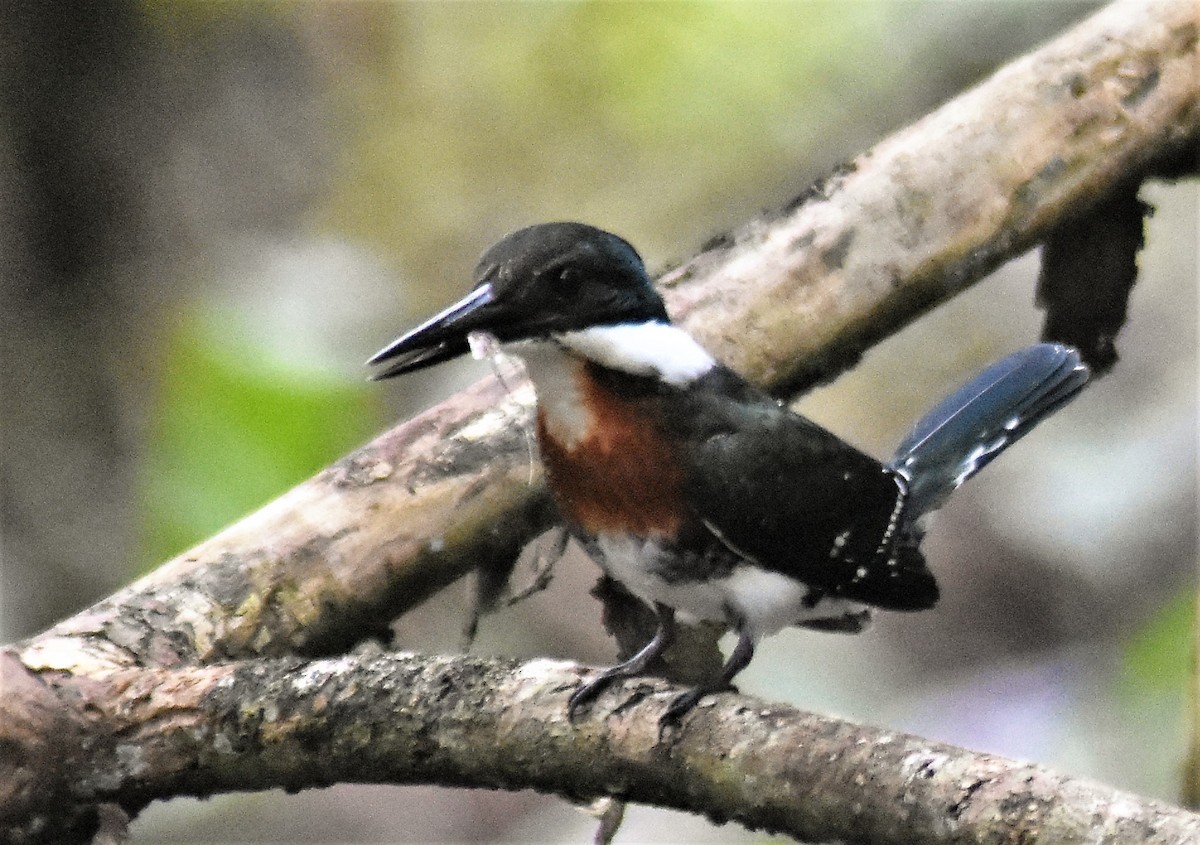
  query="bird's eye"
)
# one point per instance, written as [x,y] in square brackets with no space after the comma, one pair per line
[569,284]
[564,279]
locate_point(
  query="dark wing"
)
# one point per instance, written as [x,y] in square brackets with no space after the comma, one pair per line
[779,489]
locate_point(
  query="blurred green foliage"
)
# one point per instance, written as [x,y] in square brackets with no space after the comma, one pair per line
[1159,657]
[235,426]
[654,119]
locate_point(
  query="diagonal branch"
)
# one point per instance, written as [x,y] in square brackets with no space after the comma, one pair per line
[334,559]
[793,300]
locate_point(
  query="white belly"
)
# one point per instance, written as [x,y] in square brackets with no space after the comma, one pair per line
[760,600]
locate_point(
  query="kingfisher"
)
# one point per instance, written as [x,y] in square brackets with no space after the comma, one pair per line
[701,494]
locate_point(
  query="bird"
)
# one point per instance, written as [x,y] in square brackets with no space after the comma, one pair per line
[704,496]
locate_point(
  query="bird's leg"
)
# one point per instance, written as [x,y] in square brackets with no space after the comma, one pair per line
[738,660]
[636,665]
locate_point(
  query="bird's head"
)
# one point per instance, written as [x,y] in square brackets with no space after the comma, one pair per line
[538,282]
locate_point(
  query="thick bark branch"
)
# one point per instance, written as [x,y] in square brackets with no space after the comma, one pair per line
[475,722]
[789,300]
[336,558]
[793,300]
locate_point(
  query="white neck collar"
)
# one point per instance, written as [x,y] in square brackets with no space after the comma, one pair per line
[650,349]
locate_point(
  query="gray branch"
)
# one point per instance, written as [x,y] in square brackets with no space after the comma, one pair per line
[477,722]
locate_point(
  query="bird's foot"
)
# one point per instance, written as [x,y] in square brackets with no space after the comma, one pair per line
[588,693]
[683,704]
[680,706]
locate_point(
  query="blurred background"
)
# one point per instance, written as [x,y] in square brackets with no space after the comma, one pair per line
[212,213]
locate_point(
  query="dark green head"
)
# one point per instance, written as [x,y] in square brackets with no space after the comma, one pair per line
[537,282]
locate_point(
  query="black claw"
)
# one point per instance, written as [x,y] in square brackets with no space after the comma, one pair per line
[682,704]
[679,707]
[685,702]
[586,694]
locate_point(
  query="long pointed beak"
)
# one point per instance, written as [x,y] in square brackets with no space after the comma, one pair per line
[440,338]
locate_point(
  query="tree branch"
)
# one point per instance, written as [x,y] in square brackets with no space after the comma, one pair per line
[336,558]
[789,300]
[793,300]
[477,722]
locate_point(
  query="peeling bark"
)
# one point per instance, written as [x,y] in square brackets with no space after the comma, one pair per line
[1089,266]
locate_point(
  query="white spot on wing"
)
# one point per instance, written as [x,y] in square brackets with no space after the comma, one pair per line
[839,543]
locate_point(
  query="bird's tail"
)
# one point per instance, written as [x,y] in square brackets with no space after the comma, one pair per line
[977,422]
